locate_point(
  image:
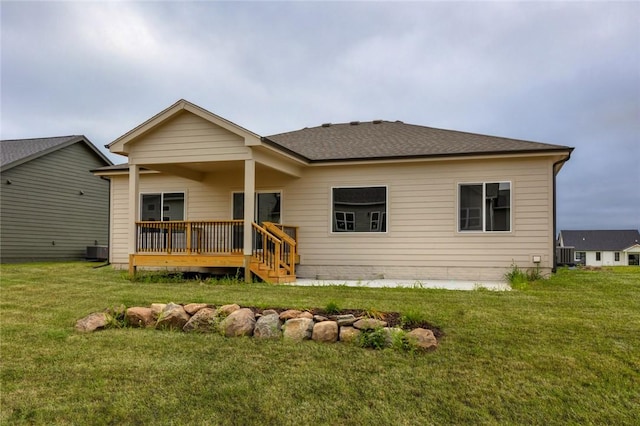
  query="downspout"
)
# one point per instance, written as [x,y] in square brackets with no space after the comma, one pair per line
[108,224]
[555,225]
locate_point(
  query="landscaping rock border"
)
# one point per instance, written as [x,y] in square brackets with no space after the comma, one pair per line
[232,320]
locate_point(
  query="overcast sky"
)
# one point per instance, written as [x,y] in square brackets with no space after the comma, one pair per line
[562,73]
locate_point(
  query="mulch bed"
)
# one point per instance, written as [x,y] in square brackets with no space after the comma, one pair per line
[393,319]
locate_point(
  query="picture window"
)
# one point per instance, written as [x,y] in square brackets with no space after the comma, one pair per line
[484,207]
[359,209]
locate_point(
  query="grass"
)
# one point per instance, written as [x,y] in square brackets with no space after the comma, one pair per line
[561,351]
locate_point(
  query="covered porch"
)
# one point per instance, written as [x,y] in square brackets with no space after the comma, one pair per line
[205,244]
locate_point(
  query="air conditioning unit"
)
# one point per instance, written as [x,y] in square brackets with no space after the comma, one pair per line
[97,253]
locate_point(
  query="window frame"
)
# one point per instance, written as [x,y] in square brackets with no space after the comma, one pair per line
[383,215]
[483,208]
[162,206]
[255,201]
[579,256]
[616,256]
[598,256]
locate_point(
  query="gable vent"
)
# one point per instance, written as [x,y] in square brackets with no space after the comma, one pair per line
[354,123]
[326,124]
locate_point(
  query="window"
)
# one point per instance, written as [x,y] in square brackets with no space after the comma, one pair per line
[359,209]
[164,206]
[598,257]
[616,256]
[485,207]
[579,256]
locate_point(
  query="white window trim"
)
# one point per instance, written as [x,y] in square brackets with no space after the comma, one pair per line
[384,212]
[161,193]
[484,222]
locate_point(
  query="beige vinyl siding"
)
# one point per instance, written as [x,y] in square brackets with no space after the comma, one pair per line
[422,217]
[187,138]
[44,216]
[422,239]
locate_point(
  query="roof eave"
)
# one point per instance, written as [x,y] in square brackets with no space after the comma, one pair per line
[464,155]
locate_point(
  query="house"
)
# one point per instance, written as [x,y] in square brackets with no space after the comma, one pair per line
[338,201]
[51,206]
[602,247]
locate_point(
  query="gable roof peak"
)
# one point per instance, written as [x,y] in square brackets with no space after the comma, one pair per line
[14,152]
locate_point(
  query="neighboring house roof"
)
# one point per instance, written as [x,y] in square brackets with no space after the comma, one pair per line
[18,151]
[394,139]
[600,240]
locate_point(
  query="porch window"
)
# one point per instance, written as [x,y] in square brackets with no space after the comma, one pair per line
[163,206]
[484,207]
[359,209]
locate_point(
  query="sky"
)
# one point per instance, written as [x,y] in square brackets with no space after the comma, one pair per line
[565,73]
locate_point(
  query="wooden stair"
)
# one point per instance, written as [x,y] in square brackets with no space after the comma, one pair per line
[266,274]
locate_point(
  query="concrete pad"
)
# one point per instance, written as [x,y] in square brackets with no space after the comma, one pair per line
[439,284]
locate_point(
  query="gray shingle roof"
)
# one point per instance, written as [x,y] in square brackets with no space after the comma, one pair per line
[18,151]
[603,240]
[386,139]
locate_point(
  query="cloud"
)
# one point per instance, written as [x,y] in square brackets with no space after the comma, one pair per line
[564,73]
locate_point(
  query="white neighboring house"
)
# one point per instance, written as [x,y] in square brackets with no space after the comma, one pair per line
[603,247]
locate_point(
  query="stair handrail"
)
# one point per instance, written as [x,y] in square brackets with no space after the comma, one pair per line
[289,264]
[278,253]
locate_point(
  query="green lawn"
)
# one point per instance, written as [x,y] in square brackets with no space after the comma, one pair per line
[561,351]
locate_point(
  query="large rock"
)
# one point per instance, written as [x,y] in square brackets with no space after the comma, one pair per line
[423,339]
[92,322]
[369,324]
[226,310]
[349,334]
[268,327]
[192,308]
[290,314]
[204,321]
[325,331]
[298,329]
[139,317]
[157,308]
[173,317]
[347,319]
[240,322]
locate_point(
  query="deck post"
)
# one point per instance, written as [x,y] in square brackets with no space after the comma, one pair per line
[134,209]
[249,207]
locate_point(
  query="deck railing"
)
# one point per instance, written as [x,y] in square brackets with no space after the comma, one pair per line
[221,236]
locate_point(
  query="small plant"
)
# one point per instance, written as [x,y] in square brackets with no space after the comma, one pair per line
[534,274]
[401,341]
[332,308]
[116,316]
[411,319]
[374,313]
[374,339]
[516,275]
[520,279]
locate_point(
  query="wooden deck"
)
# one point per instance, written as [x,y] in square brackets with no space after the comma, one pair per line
[203,244]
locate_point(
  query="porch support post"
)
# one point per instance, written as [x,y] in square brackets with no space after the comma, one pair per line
[249,207]
[134,209]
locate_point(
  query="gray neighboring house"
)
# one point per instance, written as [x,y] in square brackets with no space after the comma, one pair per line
[51,206]
[602,247]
